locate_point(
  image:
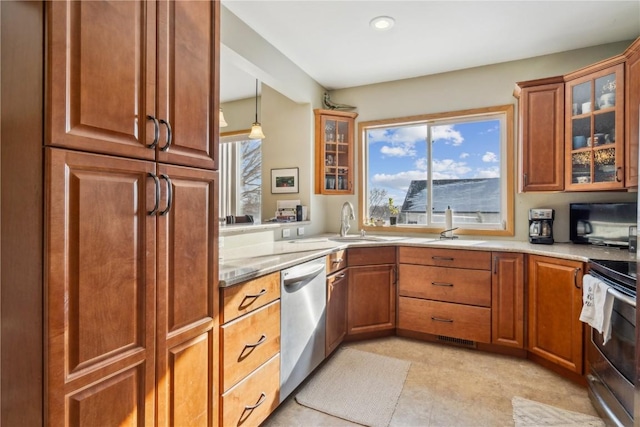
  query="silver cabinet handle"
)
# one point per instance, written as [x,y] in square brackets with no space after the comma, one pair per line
[260,401]
[262,339]
[575,278]
[156,132]
[440,319]
[157,198]
[169,194]
[169,135]
[442,284]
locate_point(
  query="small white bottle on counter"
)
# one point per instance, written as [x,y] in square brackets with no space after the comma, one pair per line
[448,222]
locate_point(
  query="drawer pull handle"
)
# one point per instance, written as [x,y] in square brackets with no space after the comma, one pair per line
[260,401]
[250,299]
[575,278]
[440,319]
[341,276]
[260,341]
[441,258]
[337,261]
[442,284]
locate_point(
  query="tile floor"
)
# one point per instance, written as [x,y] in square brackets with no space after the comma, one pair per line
[452,386]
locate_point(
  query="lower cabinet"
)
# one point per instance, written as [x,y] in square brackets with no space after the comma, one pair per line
[372,291]
[507,299]
[555,332]
[250,351]
[336,319]
[446,293]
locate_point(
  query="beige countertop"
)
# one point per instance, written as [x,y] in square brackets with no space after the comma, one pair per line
[247,262]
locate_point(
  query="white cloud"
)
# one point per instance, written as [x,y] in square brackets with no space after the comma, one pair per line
[446,133]
[398,151]
[489,157]
[492,172]
[464,155]
[449,169]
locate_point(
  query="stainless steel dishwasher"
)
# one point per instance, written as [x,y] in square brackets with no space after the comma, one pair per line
[303,303]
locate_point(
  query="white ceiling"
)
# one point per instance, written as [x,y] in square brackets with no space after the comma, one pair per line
[334,44]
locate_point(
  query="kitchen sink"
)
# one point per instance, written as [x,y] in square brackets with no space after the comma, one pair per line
[358,238]
[457,242]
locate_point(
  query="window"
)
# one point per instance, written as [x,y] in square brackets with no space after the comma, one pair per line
[240,176]
[421,165]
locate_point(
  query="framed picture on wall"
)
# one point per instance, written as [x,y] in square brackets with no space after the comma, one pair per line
[284,180]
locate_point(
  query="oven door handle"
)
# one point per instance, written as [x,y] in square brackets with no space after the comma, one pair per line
[622,297]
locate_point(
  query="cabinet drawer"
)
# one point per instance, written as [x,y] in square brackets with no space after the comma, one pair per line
[243,298]
[253,398]
[336,261]
[458,258]
[458,285]
[248,342]
[372,256]
[442,318]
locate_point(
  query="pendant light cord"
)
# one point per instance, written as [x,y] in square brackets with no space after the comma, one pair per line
[256,100]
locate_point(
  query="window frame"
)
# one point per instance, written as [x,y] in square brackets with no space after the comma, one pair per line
[507,183]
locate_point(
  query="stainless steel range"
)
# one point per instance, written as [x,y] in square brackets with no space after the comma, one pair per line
[613,365]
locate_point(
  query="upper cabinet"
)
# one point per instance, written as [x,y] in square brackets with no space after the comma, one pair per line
[541,127]
[579,132]
[334,152]
[632,113]
[594,135]
[142,85]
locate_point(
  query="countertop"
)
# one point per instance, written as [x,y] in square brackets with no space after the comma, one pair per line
[244,263]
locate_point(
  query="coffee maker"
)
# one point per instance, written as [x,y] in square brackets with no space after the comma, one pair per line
[541,226]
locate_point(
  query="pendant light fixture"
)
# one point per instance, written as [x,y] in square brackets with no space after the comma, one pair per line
[221,120]
[256,127]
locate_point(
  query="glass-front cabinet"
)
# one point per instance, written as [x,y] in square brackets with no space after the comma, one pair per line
[594,129]
[334,152]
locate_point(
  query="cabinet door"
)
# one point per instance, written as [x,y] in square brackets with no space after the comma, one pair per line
[188,81]
[555,301]
[632,116]
[371,299]
[337,292]
[507,306]
[334,152]
[594,134]
[101,76]
[187,297]
[100,289]
[541,110]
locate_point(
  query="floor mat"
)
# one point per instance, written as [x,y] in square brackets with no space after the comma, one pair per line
[528,413]
[357,386]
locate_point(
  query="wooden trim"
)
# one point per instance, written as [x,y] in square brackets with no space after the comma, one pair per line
[349,114]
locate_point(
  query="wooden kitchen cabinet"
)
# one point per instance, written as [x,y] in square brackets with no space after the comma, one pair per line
[131,250]
[594,128]
[555,332]
[131,294]
[632,113]
[136,79]
[250,348]
[371,297]
[334,152]
[541,134]
[507,299]
[446,293]
[337,294]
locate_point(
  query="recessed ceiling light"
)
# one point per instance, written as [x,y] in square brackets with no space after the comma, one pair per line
[382,23]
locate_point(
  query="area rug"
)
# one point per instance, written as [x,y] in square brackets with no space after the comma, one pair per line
[527,413]
[356,386]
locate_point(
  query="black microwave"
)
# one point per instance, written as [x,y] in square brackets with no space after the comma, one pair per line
[602,223]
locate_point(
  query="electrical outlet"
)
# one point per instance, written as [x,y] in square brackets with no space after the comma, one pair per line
[300,231]
[286,232]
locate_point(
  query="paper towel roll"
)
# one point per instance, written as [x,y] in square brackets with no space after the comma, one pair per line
[448,221]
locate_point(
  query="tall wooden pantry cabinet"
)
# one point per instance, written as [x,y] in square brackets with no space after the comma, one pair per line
[130,213]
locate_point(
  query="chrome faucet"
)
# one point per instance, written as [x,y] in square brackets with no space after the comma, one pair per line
[345,215]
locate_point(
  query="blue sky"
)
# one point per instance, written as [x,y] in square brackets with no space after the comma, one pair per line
[398,155]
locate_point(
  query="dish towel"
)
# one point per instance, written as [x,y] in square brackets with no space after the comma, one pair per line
[597,305]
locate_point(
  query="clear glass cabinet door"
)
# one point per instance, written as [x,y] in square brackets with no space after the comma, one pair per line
[595,117]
